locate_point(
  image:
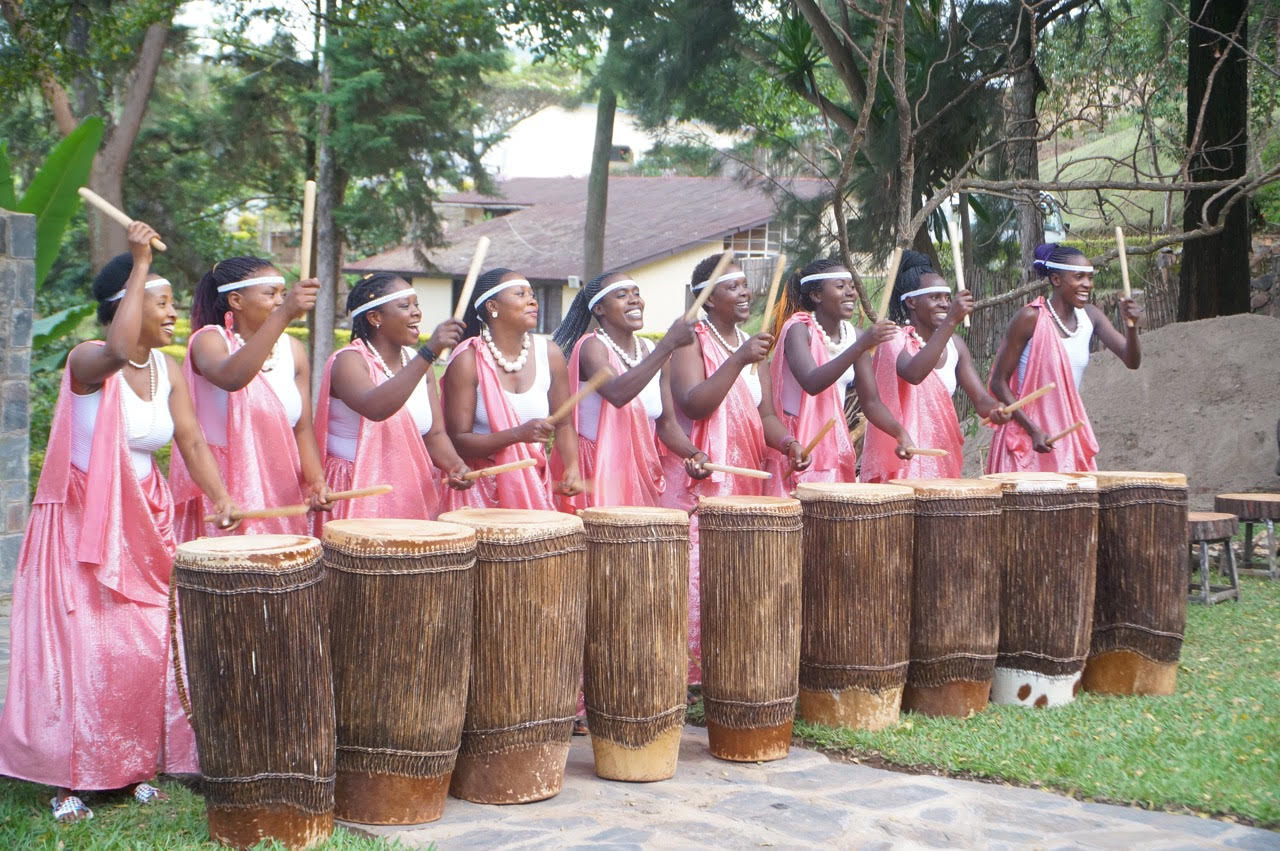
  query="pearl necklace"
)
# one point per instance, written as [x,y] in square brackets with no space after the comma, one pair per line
[630,360]
[386,370]
[832,348]
[737,334]
[272,359]
[1053,314]
[509,366]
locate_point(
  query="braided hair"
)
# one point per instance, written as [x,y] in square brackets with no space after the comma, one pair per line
[208,306]
[797,296]
[1053,252]
[913,267]
[369,288]
[110,281]
[578,318]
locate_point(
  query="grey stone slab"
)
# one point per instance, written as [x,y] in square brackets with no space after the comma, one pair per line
[786,814]
[830,777]
[1255,840]
[487,838]
[888,796]
[21,232]
[1190,825]
[625,835]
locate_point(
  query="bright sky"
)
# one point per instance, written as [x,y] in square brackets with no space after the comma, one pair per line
[205,16]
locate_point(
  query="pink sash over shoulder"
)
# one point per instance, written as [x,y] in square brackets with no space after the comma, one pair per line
[529,488]
[924,409]
[1011,447]
[91,701]
[388,452]
[622,466]
[834,458]
[259,465]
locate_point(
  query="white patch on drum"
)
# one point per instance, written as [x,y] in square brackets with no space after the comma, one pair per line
[1027,688]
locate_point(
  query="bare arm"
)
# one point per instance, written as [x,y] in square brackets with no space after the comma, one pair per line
[1125,346]
[304,430]
[1015,340]
[967,377]
[874,408]
[460,417]
[191,443]
[566,434]
[233,371]
[914,369]
[813,379]
[776,434]
[698,394]
[91,365]
[674,437]
[440,447]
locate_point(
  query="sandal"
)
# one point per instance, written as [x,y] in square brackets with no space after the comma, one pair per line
[145,793]
[69,809]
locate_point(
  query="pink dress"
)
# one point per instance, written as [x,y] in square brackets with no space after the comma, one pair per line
[733,434]
[528,488]
[834,458]
[92,702]
[388,452]
[622,466]
[1011,447]
[259,463]
[924,409]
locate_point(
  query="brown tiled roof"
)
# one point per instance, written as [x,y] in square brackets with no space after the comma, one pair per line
[648,218]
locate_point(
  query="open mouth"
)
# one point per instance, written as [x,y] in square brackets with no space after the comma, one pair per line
[414,328]
[635,313]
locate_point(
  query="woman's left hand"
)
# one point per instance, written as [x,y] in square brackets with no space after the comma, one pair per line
[222,510]
[571,484]
[318,497]
[905,442]
[456,478]
[795,454]
[693,465]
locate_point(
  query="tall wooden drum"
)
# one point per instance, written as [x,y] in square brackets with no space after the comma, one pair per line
[955,596]
[256,636]
[1140,609]
[749,549]
[526,654]
[400,594]
[1046,608]
[856,640]
[637,621]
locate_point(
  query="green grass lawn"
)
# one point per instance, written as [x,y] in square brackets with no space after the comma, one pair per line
[1211,748]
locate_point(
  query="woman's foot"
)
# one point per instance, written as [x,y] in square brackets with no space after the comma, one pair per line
[145,793]
[67,808]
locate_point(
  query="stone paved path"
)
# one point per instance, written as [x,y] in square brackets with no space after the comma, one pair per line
[807,801]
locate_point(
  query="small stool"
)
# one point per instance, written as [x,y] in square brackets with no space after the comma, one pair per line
[1260,509]
[1211,527]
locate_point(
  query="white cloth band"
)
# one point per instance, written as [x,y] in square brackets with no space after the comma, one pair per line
[827,276]
[924,291]
[730,276]
[493,291]
[616,285]
[381,300]
[249,282]
[154,282]
[1066,267]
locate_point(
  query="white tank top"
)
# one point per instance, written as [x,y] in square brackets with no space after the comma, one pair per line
[532,404]
[1076,344]
[148,425]
[792,392]
[947,369]
[343,431]
[650,397]
[279,372]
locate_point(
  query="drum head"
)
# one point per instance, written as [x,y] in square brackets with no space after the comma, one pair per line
[850,492]
[632,515]
[956,488]
[386,534]
[248,552]
[1122,478]
[514,524]
[749,504]
[1043,482]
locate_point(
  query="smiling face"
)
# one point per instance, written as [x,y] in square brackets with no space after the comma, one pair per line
[252,305]
[835,298]
[620,309]
[730,302]
[514,307]
[929,310]
[1074,287]
[397,321]
[158,315]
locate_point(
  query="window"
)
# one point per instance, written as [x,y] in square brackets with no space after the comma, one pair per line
[764,241]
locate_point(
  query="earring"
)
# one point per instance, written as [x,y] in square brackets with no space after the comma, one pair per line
[493,314]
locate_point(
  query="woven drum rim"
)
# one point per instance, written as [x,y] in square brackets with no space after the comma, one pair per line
[632,515]
[258,552]
[1251,497]
[514,525]
[371,535]
[1123,478]
[1040,482]
[854,492]
[749,505]
[942,488]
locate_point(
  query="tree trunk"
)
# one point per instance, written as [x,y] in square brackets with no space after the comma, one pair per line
[1214,280]
[1023,157]
[598,184]
[328,249]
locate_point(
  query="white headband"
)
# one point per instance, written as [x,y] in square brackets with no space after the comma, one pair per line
[154,282]
[924,291]
[827,276]
[381,300]
[493,291]
[616,285]
[730,276]
[248,282]
[1066,267]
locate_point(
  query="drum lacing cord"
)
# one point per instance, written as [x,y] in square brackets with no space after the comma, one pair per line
[1139,627]
[397,751]
[179,679]
[834,667]
[524,725]
[752,703]
[666,713]
[270,775]
[1035,655]
[946,657]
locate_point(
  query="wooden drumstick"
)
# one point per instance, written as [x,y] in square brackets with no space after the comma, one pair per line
[112,212]
[308,225]
[958,257]
[858,430]
[778,269]
[886,294]
[1124,267]
[372,490]
[264,513]
[585,390]
[472,475]
[725,259]
[1066,431]
[737,471]
[920,450]
[1025,400]
[822,432]
[464,298]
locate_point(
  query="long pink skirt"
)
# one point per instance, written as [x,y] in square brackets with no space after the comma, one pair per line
[91,701]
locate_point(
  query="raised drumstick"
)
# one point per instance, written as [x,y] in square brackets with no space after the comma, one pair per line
[737,471]
[593,384]
[1025,400]
[472,475]
[468,287]
[958,258]
[308,225]
[822,432]
[113,213]
[920,450]
[778,269]
[1066,431]
[1124,266]
[725,259]
[886,294]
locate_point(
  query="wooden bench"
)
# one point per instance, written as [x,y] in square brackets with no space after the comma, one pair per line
[1211,527]
[1254,509]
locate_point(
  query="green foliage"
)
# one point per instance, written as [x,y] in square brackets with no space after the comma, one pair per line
[8,199]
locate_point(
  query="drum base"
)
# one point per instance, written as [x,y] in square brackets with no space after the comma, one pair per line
[366,798]
[757,744]
[655,761]
[957,699]
[1126,672]
[856,708]
[1029,688]
[244,827]
[517,776]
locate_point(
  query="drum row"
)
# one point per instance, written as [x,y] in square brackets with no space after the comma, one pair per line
[396,661]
